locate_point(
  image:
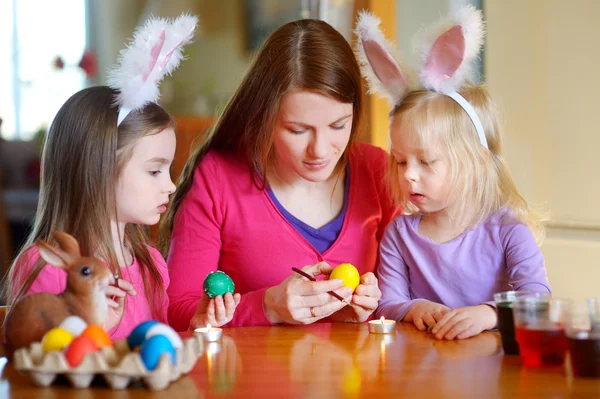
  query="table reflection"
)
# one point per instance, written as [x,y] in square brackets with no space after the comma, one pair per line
[223,365]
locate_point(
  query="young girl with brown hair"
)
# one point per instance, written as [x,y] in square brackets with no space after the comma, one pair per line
[105,175]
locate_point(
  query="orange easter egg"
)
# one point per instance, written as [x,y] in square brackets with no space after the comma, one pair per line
[80,347]
[98,335]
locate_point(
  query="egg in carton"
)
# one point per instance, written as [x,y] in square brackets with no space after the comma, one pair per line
[118,365]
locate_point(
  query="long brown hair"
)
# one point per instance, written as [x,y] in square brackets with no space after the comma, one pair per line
[305,55]
[84,153]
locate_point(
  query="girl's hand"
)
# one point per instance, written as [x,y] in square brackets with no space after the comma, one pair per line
[298,300]
[426,314]
[217,311]
[115,298]
[465,322]
[364,301]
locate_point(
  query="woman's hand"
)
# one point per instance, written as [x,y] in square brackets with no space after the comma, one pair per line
[115,298]
[217,311]
[465,322]
[364,301]
[298,300]
[426,314]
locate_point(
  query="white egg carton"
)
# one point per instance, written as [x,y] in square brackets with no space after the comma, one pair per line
[118,365]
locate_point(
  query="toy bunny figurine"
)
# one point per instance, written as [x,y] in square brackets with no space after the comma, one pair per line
[84,296]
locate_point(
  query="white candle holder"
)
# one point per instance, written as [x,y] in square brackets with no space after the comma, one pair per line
[382,326]
[210,334]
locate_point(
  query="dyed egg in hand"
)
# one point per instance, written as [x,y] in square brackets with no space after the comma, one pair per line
[218,283]
[77,350]
[165,330]
[56,339]
[98,335]
[138,335]
[153,348]
[74,324]
[348,274]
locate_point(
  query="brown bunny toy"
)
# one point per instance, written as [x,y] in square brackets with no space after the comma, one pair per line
[84,296]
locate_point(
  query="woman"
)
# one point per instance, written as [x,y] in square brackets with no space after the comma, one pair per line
[280,182]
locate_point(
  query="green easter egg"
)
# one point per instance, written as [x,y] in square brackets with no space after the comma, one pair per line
[218,283]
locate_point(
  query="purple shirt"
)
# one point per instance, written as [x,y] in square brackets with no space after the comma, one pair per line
[321,239]
[498,255]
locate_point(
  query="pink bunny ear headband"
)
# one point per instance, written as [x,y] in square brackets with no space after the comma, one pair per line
[154,52]
[447,52]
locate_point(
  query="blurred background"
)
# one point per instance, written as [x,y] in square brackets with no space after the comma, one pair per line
[539,63]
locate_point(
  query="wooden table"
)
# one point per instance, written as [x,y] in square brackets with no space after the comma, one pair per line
[341,360]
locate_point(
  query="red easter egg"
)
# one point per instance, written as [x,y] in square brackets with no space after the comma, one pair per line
[78,348]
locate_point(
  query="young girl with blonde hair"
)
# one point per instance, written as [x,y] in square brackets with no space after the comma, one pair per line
[105,175]
[467,232]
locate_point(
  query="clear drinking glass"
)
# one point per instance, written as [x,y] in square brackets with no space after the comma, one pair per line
[540,330]
[504,309]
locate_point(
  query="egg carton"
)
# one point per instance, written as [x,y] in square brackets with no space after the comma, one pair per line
[118,365]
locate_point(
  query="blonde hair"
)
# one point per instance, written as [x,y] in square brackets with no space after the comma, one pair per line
[480,178]
[84,153]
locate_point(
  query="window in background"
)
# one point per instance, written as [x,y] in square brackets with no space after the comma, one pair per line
[265,16]
[36,39]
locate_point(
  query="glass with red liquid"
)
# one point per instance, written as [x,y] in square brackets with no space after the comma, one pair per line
[540,331]
[504,310]
[593,305]
[583,338]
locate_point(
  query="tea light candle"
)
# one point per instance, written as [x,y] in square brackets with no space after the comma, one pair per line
[382,326]
[210,334]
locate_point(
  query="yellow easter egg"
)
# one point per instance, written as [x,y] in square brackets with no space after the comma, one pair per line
[56,340]
[348,274]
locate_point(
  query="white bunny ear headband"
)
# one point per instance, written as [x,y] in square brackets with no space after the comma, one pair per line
[447,52]
[154,52]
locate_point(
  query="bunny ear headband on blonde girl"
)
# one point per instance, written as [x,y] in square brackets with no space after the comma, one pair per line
[447,52]
[154,52]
